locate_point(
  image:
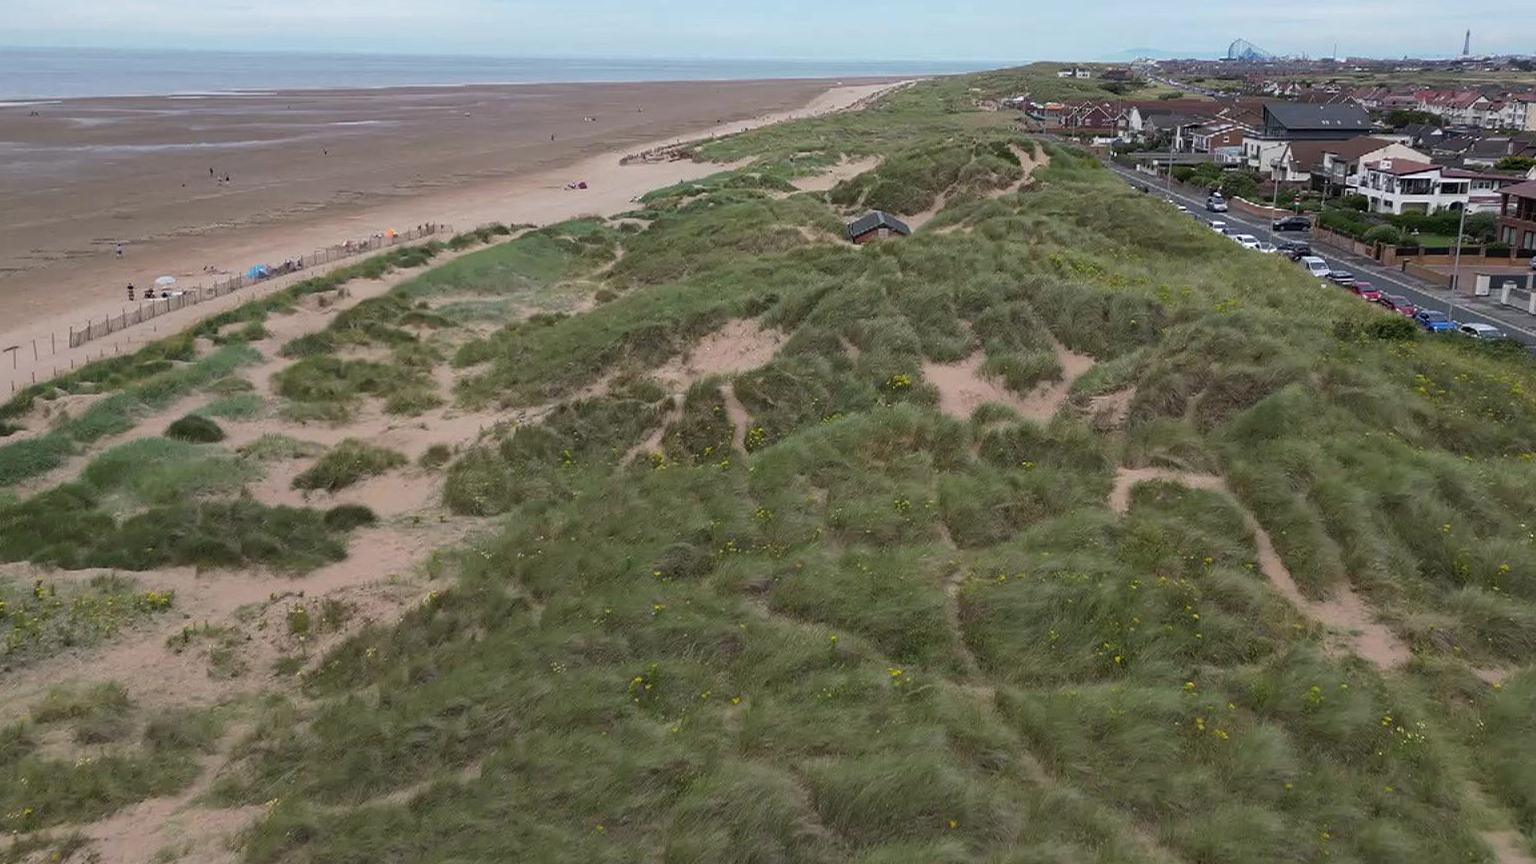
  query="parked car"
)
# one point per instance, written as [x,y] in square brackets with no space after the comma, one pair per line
[1247,241]
[1216,203]
[1484,332]
[1295,249]
[1343,277]
[1268,248]
[1434,322]
[1292,223]
[1365,290]
[1315,266]
[1399,304]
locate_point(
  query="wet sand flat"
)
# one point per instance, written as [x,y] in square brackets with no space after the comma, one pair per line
[306,169]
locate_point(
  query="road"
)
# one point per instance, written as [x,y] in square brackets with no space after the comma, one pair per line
[1460,308]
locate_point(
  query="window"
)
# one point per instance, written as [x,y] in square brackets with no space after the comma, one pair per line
[1530,240]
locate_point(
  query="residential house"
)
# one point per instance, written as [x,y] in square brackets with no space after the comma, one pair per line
[1215,135]
[1421,135]
[1451,148]
[1074,72]
[1517,215]
[1399,186]
[1334,167]
[1484,195]
[1370,98]
[1285,122]
[1084,118]
[1172,126]
[1487,152]
[1459,107]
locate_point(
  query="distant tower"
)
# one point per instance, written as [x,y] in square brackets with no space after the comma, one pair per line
[1466,45]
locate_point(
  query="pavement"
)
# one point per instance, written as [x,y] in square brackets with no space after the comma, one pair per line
[1461,307]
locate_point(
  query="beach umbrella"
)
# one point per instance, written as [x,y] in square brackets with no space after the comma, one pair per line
[163,281]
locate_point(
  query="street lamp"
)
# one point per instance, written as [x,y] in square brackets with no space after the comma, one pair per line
[1169,185]
[1461,230]
[1274,182]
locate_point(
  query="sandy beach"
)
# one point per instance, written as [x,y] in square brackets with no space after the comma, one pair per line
[309,169]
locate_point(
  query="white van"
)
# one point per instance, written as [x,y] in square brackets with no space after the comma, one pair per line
[1315,266]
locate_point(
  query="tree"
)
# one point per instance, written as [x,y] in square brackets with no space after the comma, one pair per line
[1515,163]
[1355,202]
[1408,117]
[1482,227]
[1388,234]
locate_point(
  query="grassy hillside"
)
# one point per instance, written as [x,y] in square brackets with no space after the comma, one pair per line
[804,610]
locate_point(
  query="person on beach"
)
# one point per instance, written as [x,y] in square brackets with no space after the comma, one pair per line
[130,292]
[119,250]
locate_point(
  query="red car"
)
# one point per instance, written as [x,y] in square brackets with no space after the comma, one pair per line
[1366,291]
[1399,304]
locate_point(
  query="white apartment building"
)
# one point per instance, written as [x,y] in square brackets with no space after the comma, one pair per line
[1399,186]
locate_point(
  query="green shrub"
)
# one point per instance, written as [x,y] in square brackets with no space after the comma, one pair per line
[32,457]
[348,463]
[349,516]
[195,428]
[479,484]
[239,407]
[272,448]
[1386,234]
[436,456]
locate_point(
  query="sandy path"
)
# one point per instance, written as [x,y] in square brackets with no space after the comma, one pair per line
[737,413]
[741,345]
[844,170]
[538,198]
[1344,612]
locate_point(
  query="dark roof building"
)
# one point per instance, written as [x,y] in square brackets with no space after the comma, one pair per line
[1293,121]
[876,225]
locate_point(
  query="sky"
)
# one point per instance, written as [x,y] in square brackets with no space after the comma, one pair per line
[963,30]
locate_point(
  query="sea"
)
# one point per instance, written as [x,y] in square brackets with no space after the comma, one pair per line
[30,74]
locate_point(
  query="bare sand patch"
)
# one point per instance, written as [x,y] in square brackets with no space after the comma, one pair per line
[1344,613]
[137,833]
[1495,675]
[377,583]
[1111,410]
[740,346]
[1509,847]
[46,413]
[962,387]
[847,169]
